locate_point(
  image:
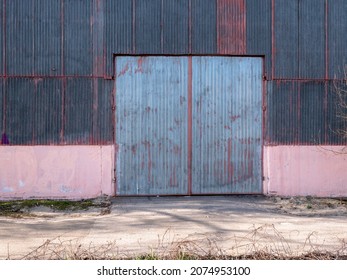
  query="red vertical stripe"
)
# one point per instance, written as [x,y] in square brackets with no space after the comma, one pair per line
[231,26]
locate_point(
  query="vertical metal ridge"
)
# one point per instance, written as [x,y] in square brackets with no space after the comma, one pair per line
[227,125]
[273,49]
[97,22]
[311,32]
[2,108]
[3,38]
[326,41]
[190,123]
[286,39]
[204,26]
[47,32]
[190,27]
[81,52]
[62,23]
[231,27]
[102,111]
[119,30]
[133,24]
[259,31]
[148,27]
[283,112]
[47,111]
[20,110]
[19,38]
[78,111]
[337,39]
[175,28]
[312,113]
[63,111]
[151,125]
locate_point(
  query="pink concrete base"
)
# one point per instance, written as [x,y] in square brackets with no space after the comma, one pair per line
[305,170]
[71,172]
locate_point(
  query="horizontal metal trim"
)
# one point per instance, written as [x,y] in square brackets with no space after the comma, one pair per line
[56,76]
[189,54]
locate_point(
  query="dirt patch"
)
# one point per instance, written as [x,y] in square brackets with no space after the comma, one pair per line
[297,206]
[310,206]
[52,208]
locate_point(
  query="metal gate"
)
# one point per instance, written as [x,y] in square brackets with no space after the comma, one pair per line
[188,125]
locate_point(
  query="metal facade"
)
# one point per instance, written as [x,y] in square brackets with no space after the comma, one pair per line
[227,125]
[336,37]
[70,41]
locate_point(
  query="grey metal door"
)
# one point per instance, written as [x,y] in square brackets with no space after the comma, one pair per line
[227,125]
[151,125]
[188,125]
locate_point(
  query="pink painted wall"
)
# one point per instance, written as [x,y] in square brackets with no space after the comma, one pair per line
[305,170]
[72,172]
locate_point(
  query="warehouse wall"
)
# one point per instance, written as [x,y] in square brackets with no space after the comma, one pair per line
[56,62]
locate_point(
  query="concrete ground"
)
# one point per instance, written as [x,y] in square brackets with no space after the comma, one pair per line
[164,225]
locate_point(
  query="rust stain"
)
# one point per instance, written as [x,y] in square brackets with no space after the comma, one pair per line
[230,166]
[231,26]
[234,117]
[182,100]
[147,144]
[139,68]
[177,150]
[133,149]
[173,178]
[124,70]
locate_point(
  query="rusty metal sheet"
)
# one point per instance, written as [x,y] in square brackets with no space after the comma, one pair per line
[283,113]
[2,98]
[231,27]
[312,39]
[77,37]
[78,109]
[33,37]
[312,113]
[259,32]
[175,27]
[151,125]
[48,29]
[2,35]
[203,27]
[20,37]
[119,26]
[102,111]
[336,125]
[20,111]
[227,125]
[48,111]
[337,39]
[286,39]
[148,30]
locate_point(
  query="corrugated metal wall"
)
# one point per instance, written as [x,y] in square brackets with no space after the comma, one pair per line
[151,125]
[73,41]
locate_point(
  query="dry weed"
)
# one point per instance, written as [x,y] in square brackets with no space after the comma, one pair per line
[261,243]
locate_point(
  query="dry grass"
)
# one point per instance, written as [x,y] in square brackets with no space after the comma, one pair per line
[261,243]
